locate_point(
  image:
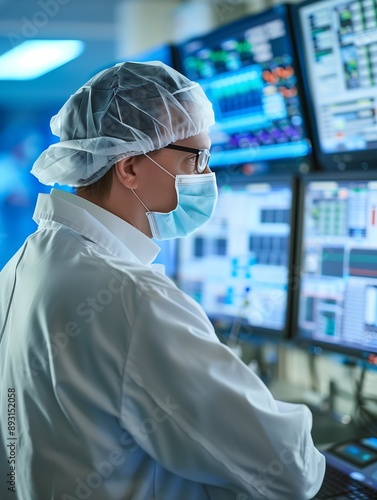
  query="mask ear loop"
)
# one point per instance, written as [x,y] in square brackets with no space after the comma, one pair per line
[146,208]
[171,175]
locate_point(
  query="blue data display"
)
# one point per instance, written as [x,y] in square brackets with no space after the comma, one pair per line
[236,266]
[248,71]
[338,52]
[338,292]
[355,454]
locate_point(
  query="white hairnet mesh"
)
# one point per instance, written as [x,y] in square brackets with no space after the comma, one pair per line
[129,109]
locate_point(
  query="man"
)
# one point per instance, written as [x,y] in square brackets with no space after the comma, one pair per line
[120,387]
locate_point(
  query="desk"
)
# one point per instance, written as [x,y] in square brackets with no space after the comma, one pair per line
[325,429]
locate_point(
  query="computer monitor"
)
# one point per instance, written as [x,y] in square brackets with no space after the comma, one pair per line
[249,71]
[336,269]
[338,54]
[237,265]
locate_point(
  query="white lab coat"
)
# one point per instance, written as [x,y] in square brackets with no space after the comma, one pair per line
[122,389]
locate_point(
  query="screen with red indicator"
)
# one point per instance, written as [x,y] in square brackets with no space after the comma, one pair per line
[338,271]
[337,49]
[249,71]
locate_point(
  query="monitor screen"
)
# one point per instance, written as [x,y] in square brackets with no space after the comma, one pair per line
[337,302]
[338,42]
[236,266]
[249,72]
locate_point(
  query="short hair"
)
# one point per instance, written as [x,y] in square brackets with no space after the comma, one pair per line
[99,190]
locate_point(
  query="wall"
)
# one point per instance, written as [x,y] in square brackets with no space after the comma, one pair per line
[174,20]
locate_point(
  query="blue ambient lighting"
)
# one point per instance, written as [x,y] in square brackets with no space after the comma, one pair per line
[36,57]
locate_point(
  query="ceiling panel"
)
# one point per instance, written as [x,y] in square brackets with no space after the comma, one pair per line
[91,21]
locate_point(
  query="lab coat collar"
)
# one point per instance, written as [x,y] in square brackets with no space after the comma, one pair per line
[95,223]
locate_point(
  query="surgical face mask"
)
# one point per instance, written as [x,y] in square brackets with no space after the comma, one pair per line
[197,197]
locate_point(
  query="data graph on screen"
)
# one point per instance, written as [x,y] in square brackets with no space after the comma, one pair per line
[339,54]
[249,72]
[338,296]
[236,266]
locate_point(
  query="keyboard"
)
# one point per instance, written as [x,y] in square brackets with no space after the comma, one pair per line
[337,485]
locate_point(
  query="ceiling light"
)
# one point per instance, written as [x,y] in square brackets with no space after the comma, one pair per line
[36,57]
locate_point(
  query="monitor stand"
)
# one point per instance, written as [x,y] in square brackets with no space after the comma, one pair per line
[327,406]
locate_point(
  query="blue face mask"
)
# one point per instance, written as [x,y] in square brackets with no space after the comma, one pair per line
[197,197]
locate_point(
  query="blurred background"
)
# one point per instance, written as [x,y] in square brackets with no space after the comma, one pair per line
[294,277]
[110,32]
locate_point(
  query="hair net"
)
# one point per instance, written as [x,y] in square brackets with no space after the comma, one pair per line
[129,109]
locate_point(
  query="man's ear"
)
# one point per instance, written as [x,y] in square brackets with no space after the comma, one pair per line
[124,170]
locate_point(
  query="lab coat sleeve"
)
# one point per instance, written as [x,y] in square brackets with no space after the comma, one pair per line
[200,412]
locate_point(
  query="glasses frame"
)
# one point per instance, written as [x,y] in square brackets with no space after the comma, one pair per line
[199,152]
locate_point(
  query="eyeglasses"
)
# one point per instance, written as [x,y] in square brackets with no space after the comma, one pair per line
[202,157]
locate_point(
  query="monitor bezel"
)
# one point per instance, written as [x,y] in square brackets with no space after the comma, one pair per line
[251,333]
[285,166]
[354,160]
[299,340]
